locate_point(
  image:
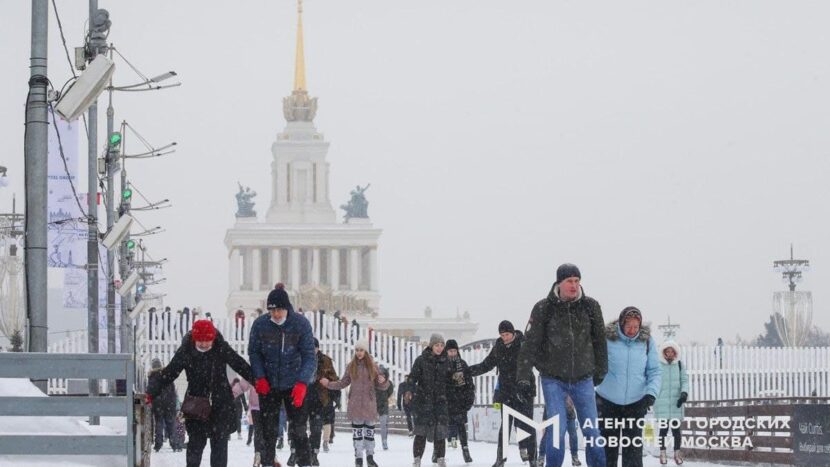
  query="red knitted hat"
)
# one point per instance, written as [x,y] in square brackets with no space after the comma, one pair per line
[203,331]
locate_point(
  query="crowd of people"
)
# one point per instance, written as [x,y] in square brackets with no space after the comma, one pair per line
[599,377]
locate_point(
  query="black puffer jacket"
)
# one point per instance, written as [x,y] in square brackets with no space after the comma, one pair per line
[165,402]
[565,340]
[430,374]
[505,358]
[206,375]
[461,391]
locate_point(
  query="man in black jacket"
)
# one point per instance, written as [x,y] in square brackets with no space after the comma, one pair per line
[566,343]
[505,355]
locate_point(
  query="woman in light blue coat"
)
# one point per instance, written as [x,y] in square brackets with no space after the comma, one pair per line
[674,390]
[630,387]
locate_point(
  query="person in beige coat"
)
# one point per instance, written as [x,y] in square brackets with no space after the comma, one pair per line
[364,377]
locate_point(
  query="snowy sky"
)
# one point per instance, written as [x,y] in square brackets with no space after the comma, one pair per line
[671,149]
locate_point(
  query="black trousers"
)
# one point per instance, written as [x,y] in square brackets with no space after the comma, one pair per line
[164,425]
[528,443]
[315,426]
[255,430]
[675,434]
[269,407]
[420,444]
[632,455]
[407,409]
[198,433]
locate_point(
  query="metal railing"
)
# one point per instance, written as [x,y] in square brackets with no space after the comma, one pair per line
[88,366]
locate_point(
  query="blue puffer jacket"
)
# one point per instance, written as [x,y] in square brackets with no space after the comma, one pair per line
[283,354]
[632,373]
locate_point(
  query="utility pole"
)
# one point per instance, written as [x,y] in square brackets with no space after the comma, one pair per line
[125,258]
[97,41]
[110,167]
[37,128]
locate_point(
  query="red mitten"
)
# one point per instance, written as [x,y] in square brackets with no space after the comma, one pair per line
[262,387]
[298,393]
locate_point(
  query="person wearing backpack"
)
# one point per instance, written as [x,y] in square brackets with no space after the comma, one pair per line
[674,390]
[629,389]
[565,341]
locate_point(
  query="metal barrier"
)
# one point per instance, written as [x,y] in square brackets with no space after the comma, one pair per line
[88,366]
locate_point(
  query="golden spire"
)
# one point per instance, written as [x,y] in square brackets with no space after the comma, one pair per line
[299,64]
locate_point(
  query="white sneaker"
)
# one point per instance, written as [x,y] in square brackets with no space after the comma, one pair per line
[441,462]
[416,462]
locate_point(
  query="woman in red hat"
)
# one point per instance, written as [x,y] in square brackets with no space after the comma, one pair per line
[204,355]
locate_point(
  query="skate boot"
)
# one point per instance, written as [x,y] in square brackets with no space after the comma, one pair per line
[575,460]
[455,443]
[314,461]
[664,459]
[358,462]
[416,462]
[370,461]
[524,455]
[434,457]
[466,452]
[325,445]
[442,462]
[279,444]
[678,457]
[292,459]
[257,460]
[499,463]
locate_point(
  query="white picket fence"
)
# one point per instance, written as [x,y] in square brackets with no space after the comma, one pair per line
[715,373]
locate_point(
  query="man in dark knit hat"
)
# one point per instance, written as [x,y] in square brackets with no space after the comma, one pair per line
[284,363]
[565,341]
[505,355]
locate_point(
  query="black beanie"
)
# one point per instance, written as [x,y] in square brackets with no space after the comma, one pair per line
[451,344]
[506,326]
[278,299]
[567,270]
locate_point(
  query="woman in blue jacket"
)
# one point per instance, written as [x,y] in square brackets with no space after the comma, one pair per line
[629,389]
[674,391]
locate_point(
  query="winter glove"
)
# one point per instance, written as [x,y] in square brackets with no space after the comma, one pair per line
[646,402]
[497,405]
[682,400]
[148,399]
[298,393]
[262,387]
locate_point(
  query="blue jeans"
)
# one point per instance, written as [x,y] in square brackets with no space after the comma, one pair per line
[573,440]
[584,398]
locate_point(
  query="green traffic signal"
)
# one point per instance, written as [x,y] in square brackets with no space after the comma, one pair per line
[127,194]
[115,140]
[130,244]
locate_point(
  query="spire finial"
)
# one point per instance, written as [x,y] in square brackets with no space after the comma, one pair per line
[299,64]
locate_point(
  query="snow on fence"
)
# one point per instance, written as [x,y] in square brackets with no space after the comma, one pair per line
[715,373]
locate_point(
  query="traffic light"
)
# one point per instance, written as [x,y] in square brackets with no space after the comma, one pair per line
[130,244]
[141,288]
[127,194]
[115,140]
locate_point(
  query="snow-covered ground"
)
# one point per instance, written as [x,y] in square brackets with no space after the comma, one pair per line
[342,455]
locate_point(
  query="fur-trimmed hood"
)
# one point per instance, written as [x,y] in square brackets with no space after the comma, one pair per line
[613,332]
[667,345]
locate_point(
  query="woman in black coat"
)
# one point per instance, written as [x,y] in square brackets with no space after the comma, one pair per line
[204,355]
[430,376]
